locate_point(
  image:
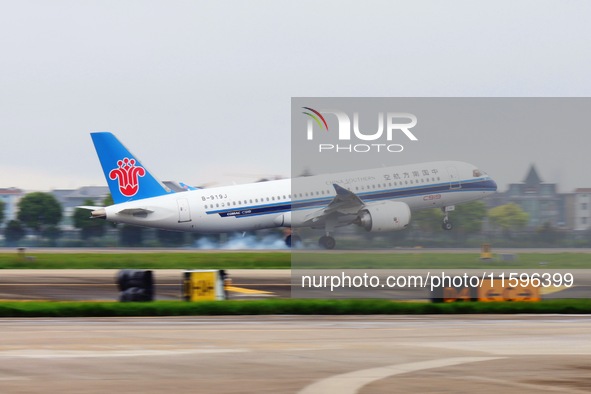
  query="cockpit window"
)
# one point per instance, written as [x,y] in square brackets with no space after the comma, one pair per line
[477,173]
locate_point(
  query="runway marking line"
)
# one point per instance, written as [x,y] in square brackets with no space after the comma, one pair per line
[552,290]
[243,290]
[352,382]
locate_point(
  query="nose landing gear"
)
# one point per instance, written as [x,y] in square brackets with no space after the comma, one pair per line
[447,225]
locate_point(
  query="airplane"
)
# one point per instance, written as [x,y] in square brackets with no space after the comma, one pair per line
[377,200]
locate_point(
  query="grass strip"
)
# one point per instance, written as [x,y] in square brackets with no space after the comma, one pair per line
[268,260]
[221,260]
[284,307]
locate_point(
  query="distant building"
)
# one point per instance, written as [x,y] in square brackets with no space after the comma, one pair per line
[578,209]
[70,199]
[540,200]
[10,196]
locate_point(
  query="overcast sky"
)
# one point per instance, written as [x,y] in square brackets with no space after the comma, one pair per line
[201,91]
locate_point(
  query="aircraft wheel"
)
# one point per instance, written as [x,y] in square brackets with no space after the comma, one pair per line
[327,242]
[447,226]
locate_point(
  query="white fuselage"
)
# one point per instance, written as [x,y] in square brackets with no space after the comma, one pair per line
[270,204]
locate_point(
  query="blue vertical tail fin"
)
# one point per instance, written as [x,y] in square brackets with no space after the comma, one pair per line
[126,176]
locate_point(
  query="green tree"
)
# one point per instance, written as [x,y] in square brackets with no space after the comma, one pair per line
[427,220]
[468,218]
[131,235]
[508,217]
[88,227]
[38,210]
[547,235]
[2,208]
[51,233]
[108,200]
[13,232]
[170,238]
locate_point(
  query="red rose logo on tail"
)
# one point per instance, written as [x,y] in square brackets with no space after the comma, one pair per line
[128,175]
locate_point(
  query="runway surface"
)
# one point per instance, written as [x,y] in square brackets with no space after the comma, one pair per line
[100,285]
[319,354]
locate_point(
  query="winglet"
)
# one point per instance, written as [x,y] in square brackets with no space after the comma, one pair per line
[340,190]
[344,195]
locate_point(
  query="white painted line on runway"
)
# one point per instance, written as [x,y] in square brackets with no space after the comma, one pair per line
[242,290]
[519,346]
[351,382]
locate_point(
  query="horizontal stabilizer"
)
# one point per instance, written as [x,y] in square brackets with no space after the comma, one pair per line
[135,211]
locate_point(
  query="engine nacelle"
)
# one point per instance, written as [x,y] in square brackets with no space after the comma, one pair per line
[283,220]
[384,216]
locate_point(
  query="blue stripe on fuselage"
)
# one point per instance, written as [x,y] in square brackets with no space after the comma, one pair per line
[481,184]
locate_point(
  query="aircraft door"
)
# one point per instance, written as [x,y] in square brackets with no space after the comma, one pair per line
[184,212]
[454,178]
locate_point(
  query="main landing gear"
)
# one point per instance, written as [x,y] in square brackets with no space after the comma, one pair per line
[447,225]
[292,240]
[327,242]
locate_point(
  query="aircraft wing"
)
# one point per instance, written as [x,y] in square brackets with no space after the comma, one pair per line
[178,187]
[343,208]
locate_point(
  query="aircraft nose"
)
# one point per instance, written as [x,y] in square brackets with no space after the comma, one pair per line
[493,185]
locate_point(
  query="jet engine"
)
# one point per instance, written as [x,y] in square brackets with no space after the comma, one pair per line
[384,216]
